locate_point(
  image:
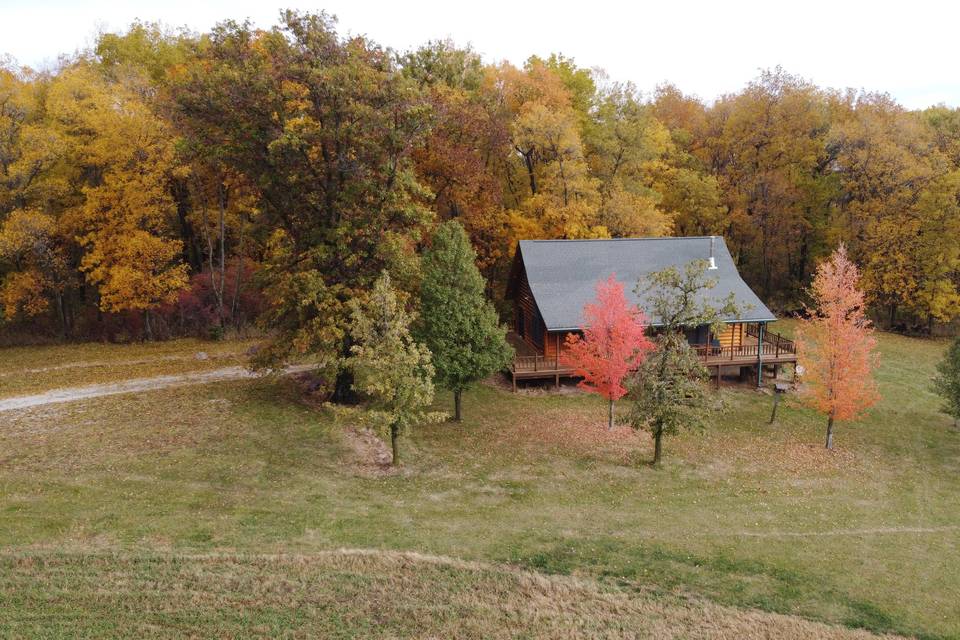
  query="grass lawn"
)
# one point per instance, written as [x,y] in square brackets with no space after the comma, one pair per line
[132,506]
[350,594]
[25,370]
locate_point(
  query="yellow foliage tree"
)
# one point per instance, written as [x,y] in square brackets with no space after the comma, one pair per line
[123,220]
[547,176]
[30,242]
[28,149]
[22,292]
[901,213]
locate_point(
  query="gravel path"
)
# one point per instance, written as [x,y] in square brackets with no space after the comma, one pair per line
[135,385]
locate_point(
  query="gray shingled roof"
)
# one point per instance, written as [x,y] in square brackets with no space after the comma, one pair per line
[563,273]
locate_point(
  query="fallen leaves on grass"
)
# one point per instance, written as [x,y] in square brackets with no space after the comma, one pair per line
[574,433]
[783,453]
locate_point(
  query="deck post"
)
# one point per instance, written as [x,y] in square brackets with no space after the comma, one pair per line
[760,355]
[556,364]
[556,356]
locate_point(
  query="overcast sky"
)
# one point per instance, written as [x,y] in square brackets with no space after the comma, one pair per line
[908,48]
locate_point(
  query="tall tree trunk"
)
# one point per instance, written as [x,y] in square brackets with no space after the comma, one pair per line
[563,180]
[395,444]
[237,277]
[192,255]
[223,254]
[216,271]
[64,329]
[830,432]
[343,386]
[457,405]
[148,330]
[528,162]
[235,304]
[657,444]
[610,416]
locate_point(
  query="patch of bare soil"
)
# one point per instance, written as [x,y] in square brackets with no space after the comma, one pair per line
[498,381]
[313,389]
[370,456]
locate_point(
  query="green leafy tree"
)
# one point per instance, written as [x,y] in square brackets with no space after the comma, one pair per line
[667,392]
[458,323]
[324,127]
[391,370]
[947,381]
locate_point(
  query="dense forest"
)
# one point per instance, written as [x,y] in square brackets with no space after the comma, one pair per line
[169,183]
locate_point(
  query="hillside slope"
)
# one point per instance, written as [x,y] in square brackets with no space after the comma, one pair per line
[346,594]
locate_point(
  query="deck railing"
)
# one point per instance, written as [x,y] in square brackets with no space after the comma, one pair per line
[710,353]
[781,344]
[536,363]
[774,346]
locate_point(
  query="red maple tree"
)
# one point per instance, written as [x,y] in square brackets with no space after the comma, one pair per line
[835,346]
[614,343]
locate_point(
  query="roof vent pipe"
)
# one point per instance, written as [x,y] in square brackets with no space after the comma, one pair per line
[713,261]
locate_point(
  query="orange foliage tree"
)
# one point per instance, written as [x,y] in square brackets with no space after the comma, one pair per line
[614,343]
[835,346]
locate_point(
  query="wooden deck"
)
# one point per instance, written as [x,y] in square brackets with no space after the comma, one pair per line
[775,350]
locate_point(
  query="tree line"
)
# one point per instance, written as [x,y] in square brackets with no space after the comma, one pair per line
[172,182]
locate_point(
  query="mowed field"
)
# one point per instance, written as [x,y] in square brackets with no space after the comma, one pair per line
[237,509]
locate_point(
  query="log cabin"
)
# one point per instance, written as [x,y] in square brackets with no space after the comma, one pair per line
[551,281]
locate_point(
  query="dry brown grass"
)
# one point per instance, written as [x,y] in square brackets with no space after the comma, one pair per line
[68,437]
[31,370]
[352,593]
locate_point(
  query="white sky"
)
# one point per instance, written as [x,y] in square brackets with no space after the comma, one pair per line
[708,48]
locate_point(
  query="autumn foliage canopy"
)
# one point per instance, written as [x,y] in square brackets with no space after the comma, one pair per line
[321,158]
[836,345]
[613,343]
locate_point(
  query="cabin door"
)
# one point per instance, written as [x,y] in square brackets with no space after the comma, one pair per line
[698,336]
